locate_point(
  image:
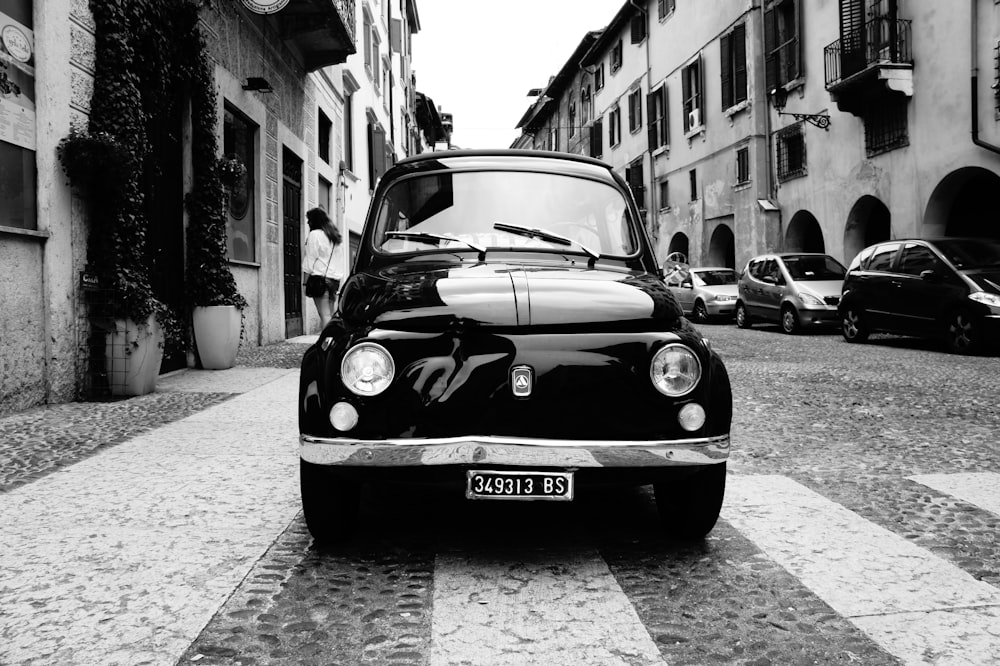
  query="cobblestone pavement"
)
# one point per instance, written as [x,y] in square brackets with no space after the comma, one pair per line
[860,524]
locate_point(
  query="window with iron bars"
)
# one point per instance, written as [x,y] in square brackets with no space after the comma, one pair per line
[885,126]
[790,143]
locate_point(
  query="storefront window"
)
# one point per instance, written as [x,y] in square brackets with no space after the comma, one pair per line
[238,141]
[17,115]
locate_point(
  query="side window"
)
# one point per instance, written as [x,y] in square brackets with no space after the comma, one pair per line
[754,268]
[860,259]
[916,259]
[882,257]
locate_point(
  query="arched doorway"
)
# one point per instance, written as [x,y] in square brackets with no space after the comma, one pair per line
[679,243]
[722,247]
[804,234]
[965,203]
[869,222]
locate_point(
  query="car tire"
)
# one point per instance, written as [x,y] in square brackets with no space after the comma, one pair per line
[689,507]
[742,316]
[961,335]
[330,503]
[700,312]
[789,320]
[852,326]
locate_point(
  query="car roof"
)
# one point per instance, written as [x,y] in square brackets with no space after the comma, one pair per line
[511,158]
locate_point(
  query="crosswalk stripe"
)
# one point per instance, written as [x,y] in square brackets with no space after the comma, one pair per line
[534,607]
[919,607]
[979,488]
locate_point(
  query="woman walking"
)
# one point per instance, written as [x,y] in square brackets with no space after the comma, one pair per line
[322,265]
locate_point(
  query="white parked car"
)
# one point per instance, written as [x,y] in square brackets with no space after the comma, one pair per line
[705,292]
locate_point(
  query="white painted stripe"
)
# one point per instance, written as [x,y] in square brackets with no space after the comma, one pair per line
[533,607]
[125,556]
[919,607]
[979,488]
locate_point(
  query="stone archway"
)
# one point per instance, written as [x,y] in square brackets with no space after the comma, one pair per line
[804,234]
[722,247]
[869,222]
[679,243]
[965,203]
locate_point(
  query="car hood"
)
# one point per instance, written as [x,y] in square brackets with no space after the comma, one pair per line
[720,289]
[988,279]
[822,288]
[437,296]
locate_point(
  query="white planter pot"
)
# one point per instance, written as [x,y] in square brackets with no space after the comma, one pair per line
[132,356]
[217,335]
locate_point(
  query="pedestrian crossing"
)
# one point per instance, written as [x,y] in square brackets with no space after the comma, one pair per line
[131,555]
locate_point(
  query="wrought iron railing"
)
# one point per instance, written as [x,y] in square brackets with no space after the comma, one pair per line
[346,10]
[880,40]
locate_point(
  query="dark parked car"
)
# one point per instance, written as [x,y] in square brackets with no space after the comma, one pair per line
[796,290]
[506,330]
[946,288]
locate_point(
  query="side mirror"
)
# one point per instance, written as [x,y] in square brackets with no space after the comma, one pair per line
[687,284]
[931,276]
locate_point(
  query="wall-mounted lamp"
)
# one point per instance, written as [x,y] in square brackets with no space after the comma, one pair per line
[258,84]
[779,97]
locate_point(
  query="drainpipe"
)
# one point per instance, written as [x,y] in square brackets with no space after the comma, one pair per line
[974,41]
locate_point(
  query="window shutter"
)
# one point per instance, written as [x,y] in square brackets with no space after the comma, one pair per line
[396,35]
[795,71]
[852,36]
[770,58]
[726,58]
[701,97]
[596,138]
[652,127]
[739,46]
[665,123]
[378,148]
[685,95]
[639,27]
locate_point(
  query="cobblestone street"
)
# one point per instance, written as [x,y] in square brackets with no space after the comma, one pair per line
[860,526]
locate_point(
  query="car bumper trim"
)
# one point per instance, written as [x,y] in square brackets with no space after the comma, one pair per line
[489,450]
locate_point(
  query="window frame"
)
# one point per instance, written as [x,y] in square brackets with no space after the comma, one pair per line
[615,126]
[635,111]
[733,71]
[692,94]
[616,57]
[657,124]
[742,165]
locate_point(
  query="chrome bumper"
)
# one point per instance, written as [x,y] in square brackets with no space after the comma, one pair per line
[518,451]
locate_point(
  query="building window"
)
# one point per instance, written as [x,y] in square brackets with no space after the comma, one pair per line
[572,118]
[636,182]
[743,165]
[324,132]
[17,120]
[790,142]
[615,127]
[634,110]
[616,57]
[552,141]
[376,152]
[324,195]
[693,182]
[885,126]
[734,67]
[781,43]
[656,106]
[239,136]
[638,27]
[367,34]
[585,105]
[376,64]
[691,87]
[599,76]
[665,8]
[664,195]
[348,131]
[597,138]
[996,78]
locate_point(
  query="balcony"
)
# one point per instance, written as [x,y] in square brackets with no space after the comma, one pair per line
[869,63]
[322,30]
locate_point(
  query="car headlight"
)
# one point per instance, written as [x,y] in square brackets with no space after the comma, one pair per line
[986,298]
[724,297]
[675,370]
[367,369]
[809,299]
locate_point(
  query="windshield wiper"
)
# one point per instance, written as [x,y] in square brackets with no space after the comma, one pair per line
[435,239]
[541,234]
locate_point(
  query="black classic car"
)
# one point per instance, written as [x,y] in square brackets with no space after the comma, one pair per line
[506,329]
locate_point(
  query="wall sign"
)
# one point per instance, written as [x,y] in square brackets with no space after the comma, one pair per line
[265,6]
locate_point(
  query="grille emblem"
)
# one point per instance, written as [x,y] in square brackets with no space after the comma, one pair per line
[521,381]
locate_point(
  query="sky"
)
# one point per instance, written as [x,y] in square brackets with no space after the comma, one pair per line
[478,59]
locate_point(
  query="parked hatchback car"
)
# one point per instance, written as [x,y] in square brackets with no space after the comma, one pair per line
[703,293]
[947,288]
[796,290]
[506,331]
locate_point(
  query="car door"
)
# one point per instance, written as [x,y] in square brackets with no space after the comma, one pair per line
[749,286]
[875,294]
[679,283]
[926,289]
[772,287]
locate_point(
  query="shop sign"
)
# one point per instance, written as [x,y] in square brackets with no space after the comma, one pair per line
[265,6]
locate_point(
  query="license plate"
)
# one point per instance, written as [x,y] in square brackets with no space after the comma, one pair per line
[553,486]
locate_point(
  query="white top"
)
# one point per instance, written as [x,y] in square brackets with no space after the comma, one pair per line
[321,257]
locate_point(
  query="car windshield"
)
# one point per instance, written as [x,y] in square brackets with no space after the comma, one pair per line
[813,268]
[715,277]
[496,210]
[969,253]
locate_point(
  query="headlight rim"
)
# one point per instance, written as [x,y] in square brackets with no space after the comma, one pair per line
[662,350]
[357,348]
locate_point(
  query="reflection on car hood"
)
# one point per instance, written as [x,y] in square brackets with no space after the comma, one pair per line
[987,278]
[720,289]
[432,296]
[822,288]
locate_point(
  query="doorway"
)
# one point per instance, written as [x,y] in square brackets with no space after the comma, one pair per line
[291,213]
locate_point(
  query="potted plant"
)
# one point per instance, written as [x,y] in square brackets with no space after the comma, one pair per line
[217,305]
